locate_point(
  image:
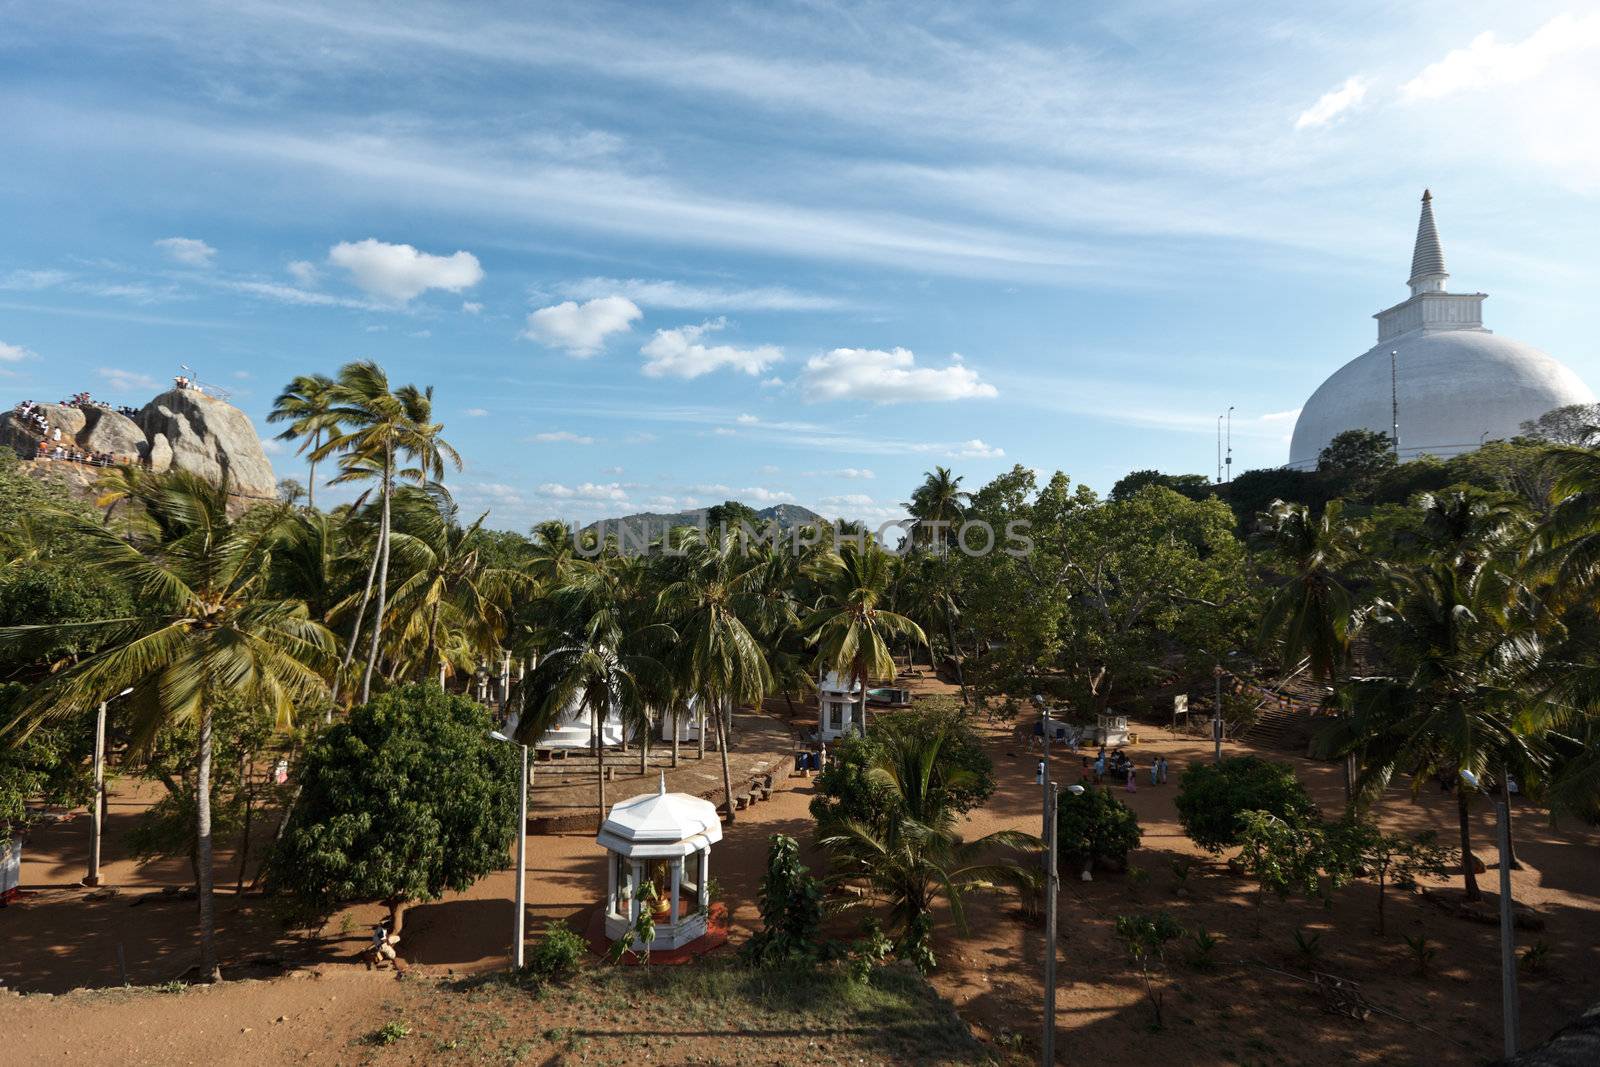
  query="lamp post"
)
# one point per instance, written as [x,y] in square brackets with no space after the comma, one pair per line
[522,849]
[97,816]
[1216,717]
[1228,462]
[1047,1046]
[1510,1009]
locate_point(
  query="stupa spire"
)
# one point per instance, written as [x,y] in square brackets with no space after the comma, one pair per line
[1427,260]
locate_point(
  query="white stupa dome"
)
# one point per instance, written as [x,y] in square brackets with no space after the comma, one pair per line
[1448,382]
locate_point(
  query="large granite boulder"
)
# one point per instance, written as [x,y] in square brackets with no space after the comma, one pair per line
[115,433]
[71,420]
[19,435]
[211,438]
[160,454]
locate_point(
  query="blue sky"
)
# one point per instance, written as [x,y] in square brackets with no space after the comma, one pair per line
[658,255]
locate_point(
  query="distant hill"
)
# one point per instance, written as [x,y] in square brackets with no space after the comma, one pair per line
[631,529]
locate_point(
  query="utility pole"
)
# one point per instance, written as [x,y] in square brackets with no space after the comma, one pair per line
[1394,400]
[1216,717]
[1047,1046]
[1229,461]
[1509,1009]
[1219,449]
[522,869]
[99,795]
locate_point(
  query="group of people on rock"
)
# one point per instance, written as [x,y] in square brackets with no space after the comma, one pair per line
[32,415]
[71,453]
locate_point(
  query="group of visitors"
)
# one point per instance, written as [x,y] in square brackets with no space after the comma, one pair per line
[33,415]
[1119,767]
[68,452]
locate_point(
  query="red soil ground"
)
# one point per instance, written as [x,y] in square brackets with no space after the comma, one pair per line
[1248,1011]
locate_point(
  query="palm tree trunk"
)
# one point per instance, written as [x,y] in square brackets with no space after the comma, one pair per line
[677,729]
[383,583]
[644,750]
[700,740]
[955,658]
[355,630]
[209,969]
[1505,797]
[1469,877]
[722,743]
[248,783]
[311,479]
[433,642]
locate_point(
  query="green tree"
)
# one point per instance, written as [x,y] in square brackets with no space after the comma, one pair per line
[849,628]
[962,778]
[1145,938]
[1193,486]
[1365,849]
[1094,827]
[1356,454]
[405,798]
[378,428]
[1285,855]
[49,764]
[1213,798]
[207,627]
[307,405]
[914,858]
[791,909]
[716,657]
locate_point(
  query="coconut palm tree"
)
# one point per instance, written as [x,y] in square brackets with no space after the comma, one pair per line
[378,428]
[306,404]
[208,627]
[936,504]
[852,634]
[716,656]
[1312,615]
[915,857]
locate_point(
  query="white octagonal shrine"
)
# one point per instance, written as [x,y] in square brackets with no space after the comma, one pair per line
[665,839]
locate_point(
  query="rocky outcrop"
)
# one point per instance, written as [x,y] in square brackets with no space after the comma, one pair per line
[182,428]
[208,437]
[109,431]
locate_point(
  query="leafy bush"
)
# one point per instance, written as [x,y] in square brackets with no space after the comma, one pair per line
[1308,947]
[963,775]
[1213,798]
[1203,950]
[558,953]
[1096,827]
[791,908]
[1422,953]
[404,799]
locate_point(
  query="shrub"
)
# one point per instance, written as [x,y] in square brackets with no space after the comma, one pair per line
[1422,953]
[1213,798]
[1146,938]
[1096,827]
[791,908]
[1308,947]
[1202,951]
[558,953]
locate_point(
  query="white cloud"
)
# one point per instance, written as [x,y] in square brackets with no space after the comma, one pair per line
[14,353]
[1488,61]
[399,272]
[304,272]
[32,280]
[562,437]
[680,353]
[772,383]
[723,431]
[190,251]
[1335,103]
[763,495]
[288,294]
[747,420]
[852,473]
[128,381]
[476,413]
[681,296]
[976,449]
[640,437]
[581,329]
[274,447]
[768,469]
[615,472]
[586,491]
[887,378]
[1281,416]
[471,307]
[847,500]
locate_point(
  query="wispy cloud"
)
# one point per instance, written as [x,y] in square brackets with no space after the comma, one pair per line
[890,377]
[1489,61]
[562,437]
[32,280]
[127,381]
[190,251]
[1333,104]
[14,353]
[686,296]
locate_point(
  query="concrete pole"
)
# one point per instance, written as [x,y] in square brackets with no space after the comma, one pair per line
[505,679]
[99,801]
[1510,1010]
[522,868]
[1047,1046]
[1216,719]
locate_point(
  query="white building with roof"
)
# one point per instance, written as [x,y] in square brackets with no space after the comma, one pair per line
[1449,383]
[664,839]
[839,707]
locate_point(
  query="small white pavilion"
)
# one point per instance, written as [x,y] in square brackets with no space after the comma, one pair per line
[838,707]
[663,838]
[685,720]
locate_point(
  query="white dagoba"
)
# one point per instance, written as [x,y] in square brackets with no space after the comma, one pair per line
[663,838]
[1454,383]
